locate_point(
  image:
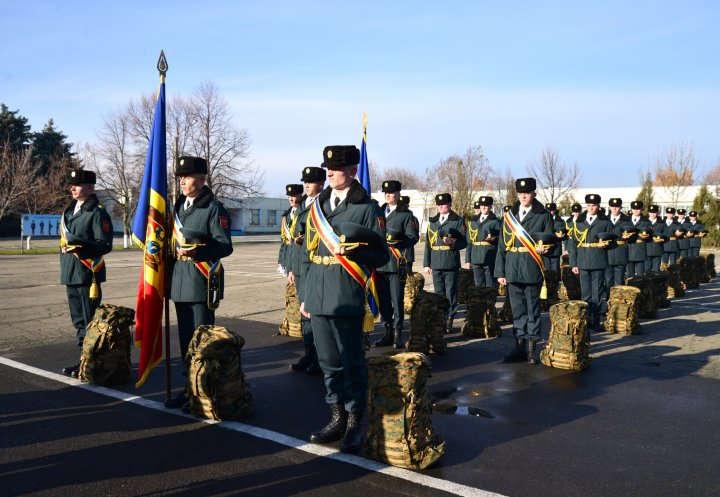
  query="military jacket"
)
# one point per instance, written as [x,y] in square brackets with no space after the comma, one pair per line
[439,255]
[582,255]
[638,246]
[482,244]
[284,256]
[672,244]
[410,252]
[619,255]
[329,289]
[684,242]
[299,261]
[655,249]
[400,219]
[513,262]
[694,241]
[208,218]
[91,223]
[559,226]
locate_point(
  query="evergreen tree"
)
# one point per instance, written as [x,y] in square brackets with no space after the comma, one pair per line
[49,146]
[647,195]
[14,129]
[708,209]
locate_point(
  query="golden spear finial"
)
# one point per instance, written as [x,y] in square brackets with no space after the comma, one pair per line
[162,66]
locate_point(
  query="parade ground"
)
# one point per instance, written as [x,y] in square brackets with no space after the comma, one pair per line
[640,421]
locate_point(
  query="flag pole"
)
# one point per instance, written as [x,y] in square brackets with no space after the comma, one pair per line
[162,67]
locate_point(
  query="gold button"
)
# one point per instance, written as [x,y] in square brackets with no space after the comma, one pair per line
[326,260]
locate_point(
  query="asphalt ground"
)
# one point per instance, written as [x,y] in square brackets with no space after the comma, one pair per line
[641,420]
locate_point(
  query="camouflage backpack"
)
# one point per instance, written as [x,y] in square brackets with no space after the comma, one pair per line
[216,385]
[400,430]
[623,309]
[105,358]
[710,265]
[427,323]
[567,346]
[414,283]
[291,324]
[481,316]
[659,285]
[646,309]
[465,281]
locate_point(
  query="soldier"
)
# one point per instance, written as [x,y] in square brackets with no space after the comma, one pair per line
[575,211]
[519,266]
[483,231]
[86,236]
[683,242]
[313,179]
[695,227]
[670,247]
[618,257]
[589,241]
[444,240]
[402,234]
[335,291]
[410,252]
[655,249]
[552,258]
[637,246]
[202,237]
[294,195]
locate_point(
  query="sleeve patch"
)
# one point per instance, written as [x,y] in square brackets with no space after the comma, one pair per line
[381,222]
[106,225]
[223,222]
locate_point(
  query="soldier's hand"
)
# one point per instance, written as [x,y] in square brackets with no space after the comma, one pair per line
[344,250]
[428,271]
[502,281]
[449,241]
[62,249]
[291,278]
[576,270]
[604,244]
[187,253]
[467,265]
[300,240]
[302,310]
[541,250]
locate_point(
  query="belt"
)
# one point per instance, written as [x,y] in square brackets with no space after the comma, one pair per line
[672,238]
[482,243]
[589,245]
[517,249]
[620,242]
[183,258]
[325,260]
[440,247]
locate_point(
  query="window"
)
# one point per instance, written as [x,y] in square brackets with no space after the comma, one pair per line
[272,218]
[254,217]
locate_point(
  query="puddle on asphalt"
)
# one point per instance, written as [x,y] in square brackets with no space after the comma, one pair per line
[442,403]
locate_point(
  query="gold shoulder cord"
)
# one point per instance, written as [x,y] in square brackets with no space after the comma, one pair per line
[311,241]
[508,243]
[473,233]
[432,237]
[283,236]
[293,225]
[583,234]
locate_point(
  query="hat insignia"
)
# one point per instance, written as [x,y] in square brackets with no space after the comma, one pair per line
[386,184]
[72,174]
[182,161]
[592,197]
[329,154]
[307,170]
[522,183]
[342,238]
[289,188]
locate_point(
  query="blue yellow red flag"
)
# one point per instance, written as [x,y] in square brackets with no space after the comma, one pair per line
[363,175]
[150,232]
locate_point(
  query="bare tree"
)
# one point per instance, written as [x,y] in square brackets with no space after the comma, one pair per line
[408,179]
[712,179]
[503,186]
[376,175]
[226,148]
[555,178]
[17,177]
[49,193]
[675,169]
[462,176]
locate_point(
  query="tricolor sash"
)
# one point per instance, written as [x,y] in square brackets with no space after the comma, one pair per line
[519,232]
[206,268]
[287,235]
[362,275]
[93,265]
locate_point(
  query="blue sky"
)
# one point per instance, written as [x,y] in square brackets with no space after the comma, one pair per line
[609,85]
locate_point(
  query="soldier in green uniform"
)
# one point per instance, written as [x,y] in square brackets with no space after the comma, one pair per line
[552,257]
[483,232]
[618,257]
[695,227]
[655,249]
[575,211]
[294,195]
[683,242]
[444,240]
[671,248]
[336,296]
[86,236]
[588,245]
[202,238]
[313,179]
[637,246]
[517,267]
[410,252]
[402,234]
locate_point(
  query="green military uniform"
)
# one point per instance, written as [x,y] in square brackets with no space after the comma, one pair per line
[286,255]
[483,232]
[671,248]
[443,259]
[523,274]
[683,241]
[694,226]
[209,223]
[410,252]
[90,229]
[298,264]
[337,302]
[552,258]
[618,257]
[402,234]
[655,248]
[637,245]
[590,259]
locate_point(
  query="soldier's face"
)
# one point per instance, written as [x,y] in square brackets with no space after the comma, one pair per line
[444,208]
[670,216]
[191,185]
[342,177]
[636,212]
[526,198]
[485,210]
[593,209]
[478,212]
[294,200]
[652,215]
[82,192]
[312,189]
[615,211]
[392,198]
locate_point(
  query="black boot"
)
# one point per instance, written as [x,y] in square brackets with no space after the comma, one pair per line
[596,322]
[352,440]
[531,352]
[518,353]
[314,366]
[335,429]
[177,402]
[387,338]
[449,324]
[304,361]
[71,370]
[397,341]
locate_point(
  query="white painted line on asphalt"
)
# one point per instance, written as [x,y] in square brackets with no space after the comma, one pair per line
[272,436]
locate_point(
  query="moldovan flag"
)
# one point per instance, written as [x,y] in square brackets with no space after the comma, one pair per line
[149,232]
